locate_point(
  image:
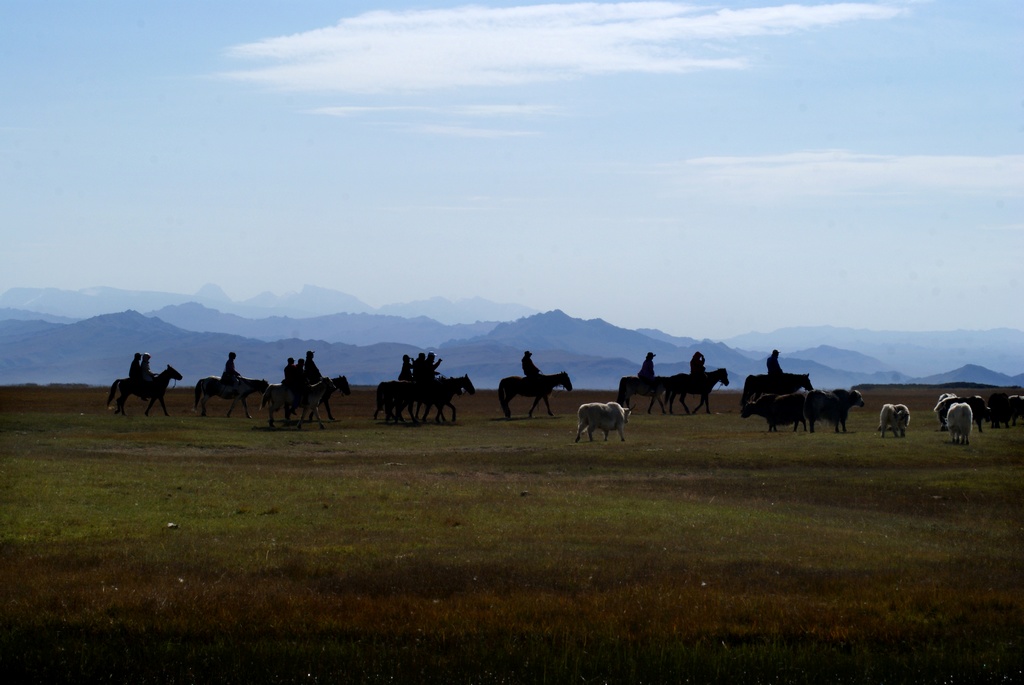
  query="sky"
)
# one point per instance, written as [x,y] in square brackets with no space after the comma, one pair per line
[706,169]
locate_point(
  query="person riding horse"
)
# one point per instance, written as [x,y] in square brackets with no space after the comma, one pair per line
[424,369]
[646,373]
[310,369]
[774,369]
[406,374]
[230,376]
[145,375]
[135,372]
[698,374]
[530,369]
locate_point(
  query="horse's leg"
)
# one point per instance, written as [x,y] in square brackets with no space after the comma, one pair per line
[536,401]
[550,413]
[162,405]
[244,406]
[453,411]
[327,406]
[651,405]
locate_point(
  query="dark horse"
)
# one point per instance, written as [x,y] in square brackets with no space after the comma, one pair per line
[539,386]
[153,390]
[778,384]
[440,393]
[340,385]
[212,387]
[393,397]
[683,384]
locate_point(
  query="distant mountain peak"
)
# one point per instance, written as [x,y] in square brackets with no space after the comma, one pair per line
[212,292]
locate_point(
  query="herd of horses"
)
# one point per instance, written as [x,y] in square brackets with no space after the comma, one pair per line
[396,399]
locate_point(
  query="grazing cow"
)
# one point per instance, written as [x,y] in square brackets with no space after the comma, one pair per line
[959,419]
[999,409]
[777,409]
[603,417]
[1016,407]
[978,408]
[831,407]
[894,417]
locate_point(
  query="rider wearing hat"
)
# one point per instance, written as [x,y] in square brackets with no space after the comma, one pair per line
[529,368]
[646,373]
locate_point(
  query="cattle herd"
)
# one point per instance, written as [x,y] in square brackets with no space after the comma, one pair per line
[955,414]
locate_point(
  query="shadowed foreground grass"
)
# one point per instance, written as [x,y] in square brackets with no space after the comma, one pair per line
[703,549]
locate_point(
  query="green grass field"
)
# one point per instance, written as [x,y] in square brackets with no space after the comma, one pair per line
[703,549]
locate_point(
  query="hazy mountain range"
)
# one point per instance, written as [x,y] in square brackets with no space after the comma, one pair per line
[56,336]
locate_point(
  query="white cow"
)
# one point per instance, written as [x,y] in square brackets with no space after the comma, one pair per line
[894,417]
[959,419]
[603,417]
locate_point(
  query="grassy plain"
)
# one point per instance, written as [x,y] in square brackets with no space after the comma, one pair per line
[704,549]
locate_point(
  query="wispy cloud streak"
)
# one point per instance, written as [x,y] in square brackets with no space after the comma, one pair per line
[478,46]
[841,172]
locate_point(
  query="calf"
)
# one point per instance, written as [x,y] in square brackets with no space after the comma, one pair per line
[603,417]
[831,407]
[959,419]
[999,409]
[777,409]
[894,417]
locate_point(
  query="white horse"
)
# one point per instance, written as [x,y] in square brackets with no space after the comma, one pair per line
[212,387]
[634,385]
[279,396]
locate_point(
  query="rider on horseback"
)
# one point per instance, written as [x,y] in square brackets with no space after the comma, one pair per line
[145,375]
[773,364]
[529,368]
[698,374]
[230,376]
[135,372]
[313,374]
[646,373]
[406,374]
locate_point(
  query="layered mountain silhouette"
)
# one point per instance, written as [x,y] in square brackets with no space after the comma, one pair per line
[367,347]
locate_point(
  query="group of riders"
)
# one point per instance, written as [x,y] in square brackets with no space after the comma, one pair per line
[697,370]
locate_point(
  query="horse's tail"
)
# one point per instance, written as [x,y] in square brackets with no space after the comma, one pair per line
[504,397]
[265,398]
[113,389]
[380,400]
[199,390]
[621,397]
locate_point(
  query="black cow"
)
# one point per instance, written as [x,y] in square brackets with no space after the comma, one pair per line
[999,409]
[1016,407]
[777,409]
[832,407]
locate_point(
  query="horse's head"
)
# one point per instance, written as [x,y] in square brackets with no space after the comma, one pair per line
[563,380]
[171,372]
[467,385]
[805,381]
[341,383]
[721,375]
[261,385]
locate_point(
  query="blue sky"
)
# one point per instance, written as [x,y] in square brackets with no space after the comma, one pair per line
[706,169]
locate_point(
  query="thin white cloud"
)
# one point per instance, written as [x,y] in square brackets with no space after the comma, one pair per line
[479,46]
[841,172]
[467,111]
